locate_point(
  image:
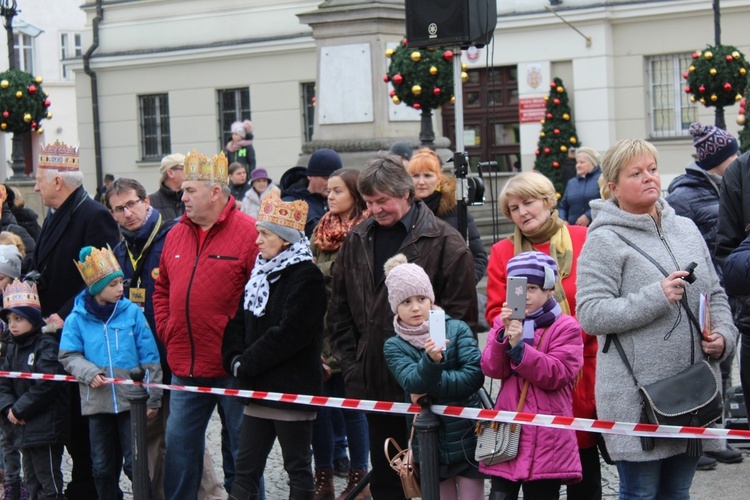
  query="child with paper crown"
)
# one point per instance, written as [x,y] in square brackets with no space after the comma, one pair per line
[449,375]
[541,356]
[92,356]
[35,412]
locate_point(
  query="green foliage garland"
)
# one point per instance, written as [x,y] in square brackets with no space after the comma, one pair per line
[557,136]
[717,76]
[24,113]
[422,79]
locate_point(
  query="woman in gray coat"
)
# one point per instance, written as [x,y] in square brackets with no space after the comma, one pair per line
[621,292]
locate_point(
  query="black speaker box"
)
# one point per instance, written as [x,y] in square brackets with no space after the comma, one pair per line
[441,23]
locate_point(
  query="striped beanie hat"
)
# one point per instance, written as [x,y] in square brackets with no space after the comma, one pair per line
[712,145]
[538,269]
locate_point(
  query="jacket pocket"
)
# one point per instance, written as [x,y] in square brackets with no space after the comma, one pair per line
[223,257]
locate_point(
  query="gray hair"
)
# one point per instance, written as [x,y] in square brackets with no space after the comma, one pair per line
[385,173]
[72,179]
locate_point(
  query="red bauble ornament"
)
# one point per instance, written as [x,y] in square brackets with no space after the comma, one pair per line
[417,106]
[730,58]
[546,151]
[687,89]
[537,152]
[728,87]
[386,79]
[32,89]
[33,125]
[696,55]
[448,55]
[6,114]
[436,91]
[701,89]
[47,102]
[556,131]
[404,42]
[549,116]
[397,79]
[742,111]
[556,101]
[392,93]
[743,102]
[553,85]
[685,75]
[556,164]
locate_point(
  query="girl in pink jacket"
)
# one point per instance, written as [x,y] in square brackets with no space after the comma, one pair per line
[547,458]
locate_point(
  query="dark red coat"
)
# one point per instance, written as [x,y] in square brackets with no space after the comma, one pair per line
[198,289]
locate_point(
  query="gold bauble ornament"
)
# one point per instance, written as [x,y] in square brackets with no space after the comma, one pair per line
[692,98]
[464,76]
[738,97]
[564,148]
[38,79]
[573,140]
[714,98]
[40,131]
[49,114]
[416,90]
[691,69]
[542,121]
[741,120]
[4,126]
[546,98]
[712,71]
[27,118]
[4,84]
[566,116]
[743,71]
[560,89]
[558,195]
[389,52]
[416,56]
[396,100]
[19,94]
[702,100]
[708,54]
[542,134]
[453,99]
[433,70]
[463,66]
[736,54]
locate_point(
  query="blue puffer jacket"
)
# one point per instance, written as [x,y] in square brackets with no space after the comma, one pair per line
[696,196]
[90,346]
[578,193]
[454,381]
[737,270]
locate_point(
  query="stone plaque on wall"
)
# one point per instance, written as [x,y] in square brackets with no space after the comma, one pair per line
[345,84]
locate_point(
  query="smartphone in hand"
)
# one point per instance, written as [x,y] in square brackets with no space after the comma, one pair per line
[437,327]
[516,296]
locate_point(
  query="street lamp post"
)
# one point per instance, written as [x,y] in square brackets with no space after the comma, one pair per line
[8,10]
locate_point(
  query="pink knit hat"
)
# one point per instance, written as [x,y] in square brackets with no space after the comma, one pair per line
[405,280]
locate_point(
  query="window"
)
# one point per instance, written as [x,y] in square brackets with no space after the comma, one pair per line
[154,117]
[234,105]
[308,110]
[70,48]
[24,52]
[670,107]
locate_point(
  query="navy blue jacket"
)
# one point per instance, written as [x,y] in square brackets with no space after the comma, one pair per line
[578,193]
[42,404]
[696,196]
[293,186]
[737,270]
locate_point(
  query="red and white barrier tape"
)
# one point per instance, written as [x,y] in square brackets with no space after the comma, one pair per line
[558,422]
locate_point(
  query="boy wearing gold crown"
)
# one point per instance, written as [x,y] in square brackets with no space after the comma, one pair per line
[37,409]
[91,357]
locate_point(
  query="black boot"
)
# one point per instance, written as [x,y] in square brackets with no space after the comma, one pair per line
[240,493]
[300,494]
[501,495]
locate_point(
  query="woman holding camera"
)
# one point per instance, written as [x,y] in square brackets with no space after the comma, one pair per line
[529,200]
[621,292]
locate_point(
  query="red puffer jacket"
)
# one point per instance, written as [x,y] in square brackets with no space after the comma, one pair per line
[198,289]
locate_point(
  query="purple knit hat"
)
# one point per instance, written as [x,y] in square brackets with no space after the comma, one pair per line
[538,269]
[712,145]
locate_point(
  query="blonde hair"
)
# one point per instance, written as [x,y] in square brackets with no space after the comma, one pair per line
[623,153]
[18,201]
[425,160]
[591,155]
[528,185]
[604,192]
[8,238]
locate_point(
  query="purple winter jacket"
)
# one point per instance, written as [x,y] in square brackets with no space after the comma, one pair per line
[543,453]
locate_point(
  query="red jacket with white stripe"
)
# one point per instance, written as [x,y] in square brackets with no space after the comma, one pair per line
[198,289]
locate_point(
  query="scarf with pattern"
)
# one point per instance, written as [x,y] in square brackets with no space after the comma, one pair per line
[542,317]
[331,231]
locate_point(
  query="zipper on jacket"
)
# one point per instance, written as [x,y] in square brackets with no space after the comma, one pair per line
[666,245]
[198,249]
[109,355]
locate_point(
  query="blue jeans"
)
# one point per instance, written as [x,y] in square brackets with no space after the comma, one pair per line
[666,479]
[324,433]
[189,414]
[106,430]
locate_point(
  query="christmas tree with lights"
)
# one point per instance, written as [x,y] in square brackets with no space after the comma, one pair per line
[557,136]
[742,119]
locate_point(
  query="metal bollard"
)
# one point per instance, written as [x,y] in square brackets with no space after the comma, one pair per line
[138,398]
[426,425]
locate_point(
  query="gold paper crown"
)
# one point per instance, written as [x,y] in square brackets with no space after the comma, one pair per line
[200,168]
[21,294]
[98,265]
[289,214]
[60,157]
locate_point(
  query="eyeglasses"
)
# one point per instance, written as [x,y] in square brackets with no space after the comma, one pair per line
[129,205]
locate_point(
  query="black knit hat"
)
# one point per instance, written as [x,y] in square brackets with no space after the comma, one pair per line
[712,145]
[323,163]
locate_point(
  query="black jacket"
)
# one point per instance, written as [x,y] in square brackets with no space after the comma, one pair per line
[8,222]
[167,202]
[42,404]
[82,222]
[293,186]
[734,226]
[280,350]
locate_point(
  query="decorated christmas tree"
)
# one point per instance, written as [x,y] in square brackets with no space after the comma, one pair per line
[23,103]
[422,79]
[742,119]
[557,136]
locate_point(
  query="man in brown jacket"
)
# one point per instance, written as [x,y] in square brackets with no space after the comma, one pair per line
[359,316]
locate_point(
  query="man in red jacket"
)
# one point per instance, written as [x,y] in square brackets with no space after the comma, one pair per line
[206,262]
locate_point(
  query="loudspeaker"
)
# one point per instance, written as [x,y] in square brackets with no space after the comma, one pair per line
[433,23]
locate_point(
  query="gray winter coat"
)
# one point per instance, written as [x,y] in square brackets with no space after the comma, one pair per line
[619,292]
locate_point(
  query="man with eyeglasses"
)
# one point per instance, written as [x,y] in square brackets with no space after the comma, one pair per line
[168,198]
[74,221]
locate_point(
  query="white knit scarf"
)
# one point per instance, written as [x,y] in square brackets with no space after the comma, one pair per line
[258,288]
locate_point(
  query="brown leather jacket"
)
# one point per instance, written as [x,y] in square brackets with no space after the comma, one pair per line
[359,315]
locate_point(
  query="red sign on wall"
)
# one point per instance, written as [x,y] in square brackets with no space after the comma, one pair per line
[531,109]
